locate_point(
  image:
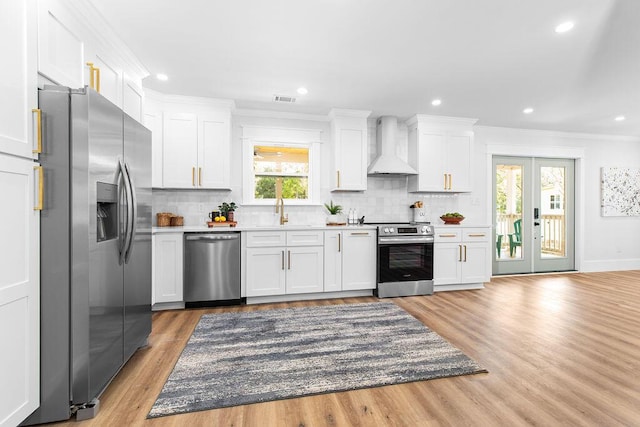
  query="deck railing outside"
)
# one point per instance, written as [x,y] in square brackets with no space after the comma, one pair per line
[553,232]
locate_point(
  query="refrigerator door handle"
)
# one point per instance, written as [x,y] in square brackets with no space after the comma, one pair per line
[126,239]
[134,214]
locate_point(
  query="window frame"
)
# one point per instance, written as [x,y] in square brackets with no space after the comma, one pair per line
[295,138]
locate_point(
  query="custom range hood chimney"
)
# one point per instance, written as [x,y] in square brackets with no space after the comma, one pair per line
[387,163]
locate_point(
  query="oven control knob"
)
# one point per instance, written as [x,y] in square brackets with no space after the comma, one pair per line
[425,229]
[386,229]
[391,230]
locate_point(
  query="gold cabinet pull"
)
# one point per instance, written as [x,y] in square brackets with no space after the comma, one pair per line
[476,234]
[445,181]
[339,242]
[360,233]
[282,258]
[338,178]
[447,235]
[289,259]
[450,181]
[200,177]
[465,253]
[94,77]
[38,148]
[193,176]
[40,204]
[459,253]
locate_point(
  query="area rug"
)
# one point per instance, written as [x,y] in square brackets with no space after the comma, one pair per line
[257,356]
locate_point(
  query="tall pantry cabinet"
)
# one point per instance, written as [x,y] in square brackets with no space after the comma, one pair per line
[19,217]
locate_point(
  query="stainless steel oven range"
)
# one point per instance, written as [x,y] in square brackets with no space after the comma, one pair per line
[405,259]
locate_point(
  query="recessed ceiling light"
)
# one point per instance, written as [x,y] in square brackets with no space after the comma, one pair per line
[302,90]
[620,118]
[564,27]
[162,77]
[436,102]
[528,110]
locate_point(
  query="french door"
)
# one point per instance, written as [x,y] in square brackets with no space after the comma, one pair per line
[533,201]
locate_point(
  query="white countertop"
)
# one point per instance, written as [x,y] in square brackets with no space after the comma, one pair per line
[220,229]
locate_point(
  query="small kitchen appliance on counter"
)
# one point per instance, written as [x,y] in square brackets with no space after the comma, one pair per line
[405,259]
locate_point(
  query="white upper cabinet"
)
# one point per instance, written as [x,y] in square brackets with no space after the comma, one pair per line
[196,150]
[77,48]
[214,149]
[180,150]
[350,141]
[18,78]
[441,151]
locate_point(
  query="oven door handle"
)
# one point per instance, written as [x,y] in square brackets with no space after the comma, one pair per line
[405,240]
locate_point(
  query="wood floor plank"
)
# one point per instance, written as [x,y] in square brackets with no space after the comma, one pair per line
[561,349]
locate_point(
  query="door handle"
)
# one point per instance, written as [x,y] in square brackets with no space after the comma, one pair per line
[339,243]
[40,198]
[94,77]
[134,214]
[289,259]
[200,177]
[465,253]
[282,258]
[338,179]
[459,253]
[193,176]
[38,148]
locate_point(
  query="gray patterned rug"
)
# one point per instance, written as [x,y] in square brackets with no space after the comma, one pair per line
[257,356]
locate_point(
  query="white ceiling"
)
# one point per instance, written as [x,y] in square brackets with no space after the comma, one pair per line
[485,59]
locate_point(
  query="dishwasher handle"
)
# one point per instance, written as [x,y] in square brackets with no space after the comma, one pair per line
[214,236]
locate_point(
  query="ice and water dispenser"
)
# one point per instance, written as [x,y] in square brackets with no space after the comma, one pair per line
[107,212]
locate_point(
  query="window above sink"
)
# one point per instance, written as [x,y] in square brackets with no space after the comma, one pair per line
[281,163]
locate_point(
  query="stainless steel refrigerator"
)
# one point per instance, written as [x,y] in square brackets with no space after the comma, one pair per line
[95,248]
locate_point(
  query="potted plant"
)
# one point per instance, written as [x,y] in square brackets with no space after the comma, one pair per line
[334,210]
[452,218]
[227,210]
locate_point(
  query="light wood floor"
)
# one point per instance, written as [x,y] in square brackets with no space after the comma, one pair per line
[560,349]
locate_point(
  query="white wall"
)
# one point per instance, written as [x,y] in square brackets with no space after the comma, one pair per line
[602,243]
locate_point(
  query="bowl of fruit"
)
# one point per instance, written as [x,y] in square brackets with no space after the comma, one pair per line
[452,218]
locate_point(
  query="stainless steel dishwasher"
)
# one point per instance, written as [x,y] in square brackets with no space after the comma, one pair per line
[211,268]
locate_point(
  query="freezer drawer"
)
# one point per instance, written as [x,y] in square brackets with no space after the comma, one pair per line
[211,267]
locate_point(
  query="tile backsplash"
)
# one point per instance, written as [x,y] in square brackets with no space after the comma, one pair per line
[385,200]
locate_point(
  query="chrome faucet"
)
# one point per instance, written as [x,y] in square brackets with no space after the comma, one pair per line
[280,208]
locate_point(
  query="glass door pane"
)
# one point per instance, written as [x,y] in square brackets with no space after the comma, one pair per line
[508,211]
[552,205]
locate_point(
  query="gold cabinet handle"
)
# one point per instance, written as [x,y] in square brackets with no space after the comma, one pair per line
[450,181]
[282,258]
[289,259]
[38,148]
[360,233]
[338,178]
[193,177]
[447,235]
[445,181]
[39,206]
[339,242]
[476,234]
[200,177]
[459,253]
[465,253]
[94,77]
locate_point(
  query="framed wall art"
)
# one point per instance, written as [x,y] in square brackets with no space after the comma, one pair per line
[620,191]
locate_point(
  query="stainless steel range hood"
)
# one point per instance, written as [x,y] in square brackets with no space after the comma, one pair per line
[387,163]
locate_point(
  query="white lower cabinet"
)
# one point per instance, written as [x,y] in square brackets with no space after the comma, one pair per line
[349,260]
[167,270]
[462,257]
[276,269]
[19,288]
